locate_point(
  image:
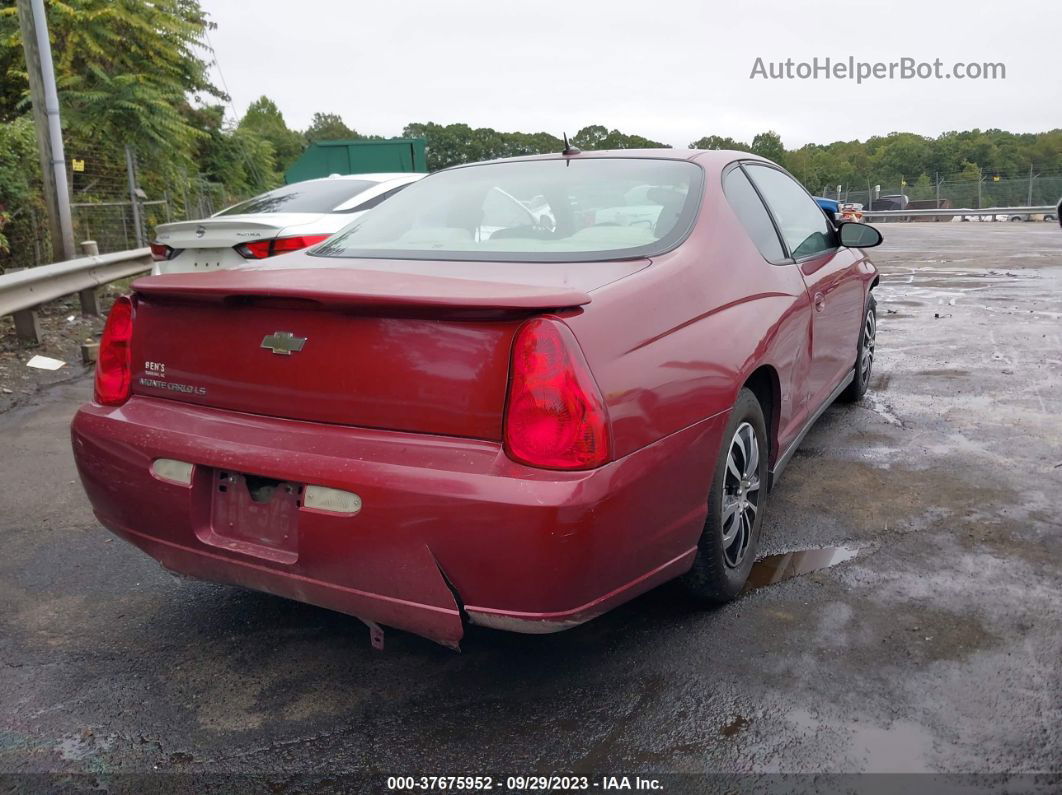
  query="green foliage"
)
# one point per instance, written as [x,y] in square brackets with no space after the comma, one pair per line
[124,69]
[719,142]
[597,136]
[264,119]
[329,127]
[922,188]
[452,144]
[766,144]
[769,144]
[19,164]
[240,159]
[914,159]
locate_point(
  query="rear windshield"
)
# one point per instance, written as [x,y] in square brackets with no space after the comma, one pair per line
[318,196]
[532,211]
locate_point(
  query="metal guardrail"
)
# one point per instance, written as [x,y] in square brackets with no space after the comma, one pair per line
[951,212]
[22,291]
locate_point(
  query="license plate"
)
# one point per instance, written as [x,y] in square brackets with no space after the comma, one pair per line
[206,258]
[256,515]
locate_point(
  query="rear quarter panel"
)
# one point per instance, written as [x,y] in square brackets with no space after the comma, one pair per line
[671,346]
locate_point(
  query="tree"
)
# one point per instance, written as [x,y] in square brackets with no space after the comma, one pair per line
[901,155]
[18,186]
[124,70]
[922,188]
[597,136]
[451,144]
[264,119]
[240,159]
[769,145]
[719,142]
[964,193]
[328,127]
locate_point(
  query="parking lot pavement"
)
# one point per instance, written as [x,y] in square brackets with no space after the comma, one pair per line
[936,648]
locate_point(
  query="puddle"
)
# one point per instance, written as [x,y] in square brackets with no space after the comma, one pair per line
[900,747]
[775,568]
[944,373]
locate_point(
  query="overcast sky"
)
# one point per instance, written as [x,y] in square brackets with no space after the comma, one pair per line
[672,70]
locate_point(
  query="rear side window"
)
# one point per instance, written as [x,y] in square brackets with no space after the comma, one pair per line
[368,204]
[800,220]
[752,214]
[316,196]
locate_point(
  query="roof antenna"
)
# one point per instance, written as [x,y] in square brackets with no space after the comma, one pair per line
[569,149]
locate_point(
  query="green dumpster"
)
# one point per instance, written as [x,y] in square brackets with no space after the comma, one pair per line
[358,157]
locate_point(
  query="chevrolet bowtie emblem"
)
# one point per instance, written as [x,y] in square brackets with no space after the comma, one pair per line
[283,343]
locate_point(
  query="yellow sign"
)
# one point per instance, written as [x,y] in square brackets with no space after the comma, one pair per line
[79,165]
[995,178]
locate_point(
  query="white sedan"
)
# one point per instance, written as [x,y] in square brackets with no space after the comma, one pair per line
[282,220]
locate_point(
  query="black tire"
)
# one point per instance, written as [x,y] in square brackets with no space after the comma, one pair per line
[718,573]
[863,370]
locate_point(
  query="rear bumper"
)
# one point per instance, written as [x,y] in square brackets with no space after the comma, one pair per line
[524,549]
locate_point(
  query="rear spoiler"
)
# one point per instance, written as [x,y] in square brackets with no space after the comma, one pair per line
[352,288]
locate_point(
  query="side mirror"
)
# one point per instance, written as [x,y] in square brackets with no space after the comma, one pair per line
[857,235]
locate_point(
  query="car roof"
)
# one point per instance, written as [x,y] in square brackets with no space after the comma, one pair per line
[708,157]
[380,177]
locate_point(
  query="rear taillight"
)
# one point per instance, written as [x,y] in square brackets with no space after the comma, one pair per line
[161,252]
[284,244]
[555,417]
[260,249]
[114,367]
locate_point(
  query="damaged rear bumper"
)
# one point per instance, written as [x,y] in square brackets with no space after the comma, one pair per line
[437,618]
[447,528]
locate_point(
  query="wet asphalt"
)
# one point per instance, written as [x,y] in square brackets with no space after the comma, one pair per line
[938,647]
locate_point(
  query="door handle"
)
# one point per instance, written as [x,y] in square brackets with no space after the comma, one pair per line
[820,302]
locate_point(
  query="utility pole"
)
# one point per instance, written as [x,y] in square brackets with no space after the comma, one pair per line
[38,50]
[1031,178]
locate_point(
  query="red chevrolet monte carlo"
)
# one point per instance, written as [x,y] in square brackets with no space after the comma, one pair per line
[516,394]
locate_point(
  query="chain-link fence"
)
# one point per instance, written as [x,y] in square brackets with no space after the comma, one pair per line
[990,190]
[118,201]
[114,200]
[120,210]
[26,230]
[100,203]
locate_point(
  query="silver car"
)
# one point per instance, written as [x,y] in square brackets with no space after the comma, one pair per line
[286,219]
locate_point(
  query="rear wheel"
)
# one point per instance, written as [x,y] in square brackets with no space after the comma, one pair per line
[728,543]
[865,351]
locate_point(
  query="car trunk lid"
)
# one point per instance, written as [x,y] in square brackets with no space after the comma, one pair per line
[399,350]
[230,230]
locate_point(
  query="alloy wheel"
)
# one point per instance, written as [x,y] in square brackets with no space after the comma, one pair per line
[741,494]
[866,355]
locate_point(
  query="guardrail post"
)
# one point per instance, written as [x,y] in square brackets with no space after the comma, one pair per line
[89,303]
[27,326]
